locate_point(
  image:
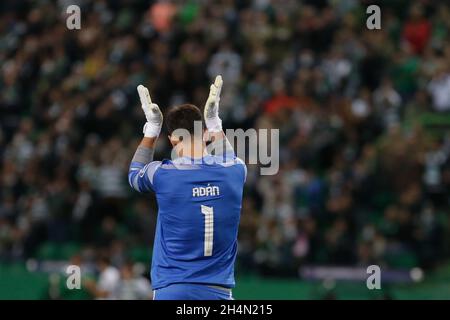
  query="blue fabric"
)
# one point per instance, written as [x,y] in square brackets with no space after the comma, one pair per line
[189,291]
[184,189]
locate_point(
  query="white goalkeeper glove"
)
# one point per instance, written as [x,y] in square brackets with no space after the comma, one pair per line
[211,112]
[153,115]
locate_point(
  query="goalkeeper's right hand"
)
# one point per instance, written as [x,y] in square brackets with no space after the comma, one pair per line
[211,113]
[153,115]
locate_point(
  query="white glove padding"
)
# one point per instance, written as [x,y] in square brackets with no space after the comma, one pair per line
[211,113]
[153,115]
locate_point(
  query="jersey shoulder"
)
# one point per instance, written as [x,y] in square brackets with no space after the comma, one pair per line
[209,162]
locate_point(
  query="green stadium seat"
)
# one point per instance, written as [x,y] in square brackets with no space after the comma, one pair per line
[405,260]
[57,251]
[141,254]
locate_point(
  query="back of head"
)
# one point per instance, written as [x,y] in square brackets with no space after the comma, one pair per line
[185,117]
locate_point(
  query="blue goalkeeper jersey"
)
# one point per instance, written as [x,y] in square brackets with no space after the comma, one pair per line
[199,204]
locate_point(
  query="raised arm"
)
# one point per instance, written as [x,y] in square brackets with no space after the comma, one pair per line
[142,167]
[152,127]
[219,143]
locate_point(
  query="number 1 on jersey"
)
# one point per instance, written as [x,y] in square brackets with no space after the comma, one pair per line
[209,230]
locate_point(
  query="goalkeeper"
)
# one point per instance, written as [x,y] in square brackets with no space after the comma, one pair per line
[199,198]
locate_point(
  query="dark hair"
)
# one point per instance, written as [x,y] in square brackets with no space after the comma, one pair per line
[183,117]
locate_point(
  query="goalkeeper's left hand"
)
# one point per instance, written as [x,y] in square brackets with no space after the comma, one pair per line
[153,115]
[211,113]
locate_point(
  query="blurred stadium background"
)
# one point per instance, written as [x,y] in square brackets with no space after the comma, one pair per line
[364,135]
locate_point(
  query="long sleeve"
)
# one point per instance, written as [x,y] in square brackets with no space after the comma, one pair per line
[221,147]
[142,170]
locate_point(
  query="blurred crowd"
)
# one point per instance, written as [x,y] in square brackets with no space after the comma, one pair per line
[362,180]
